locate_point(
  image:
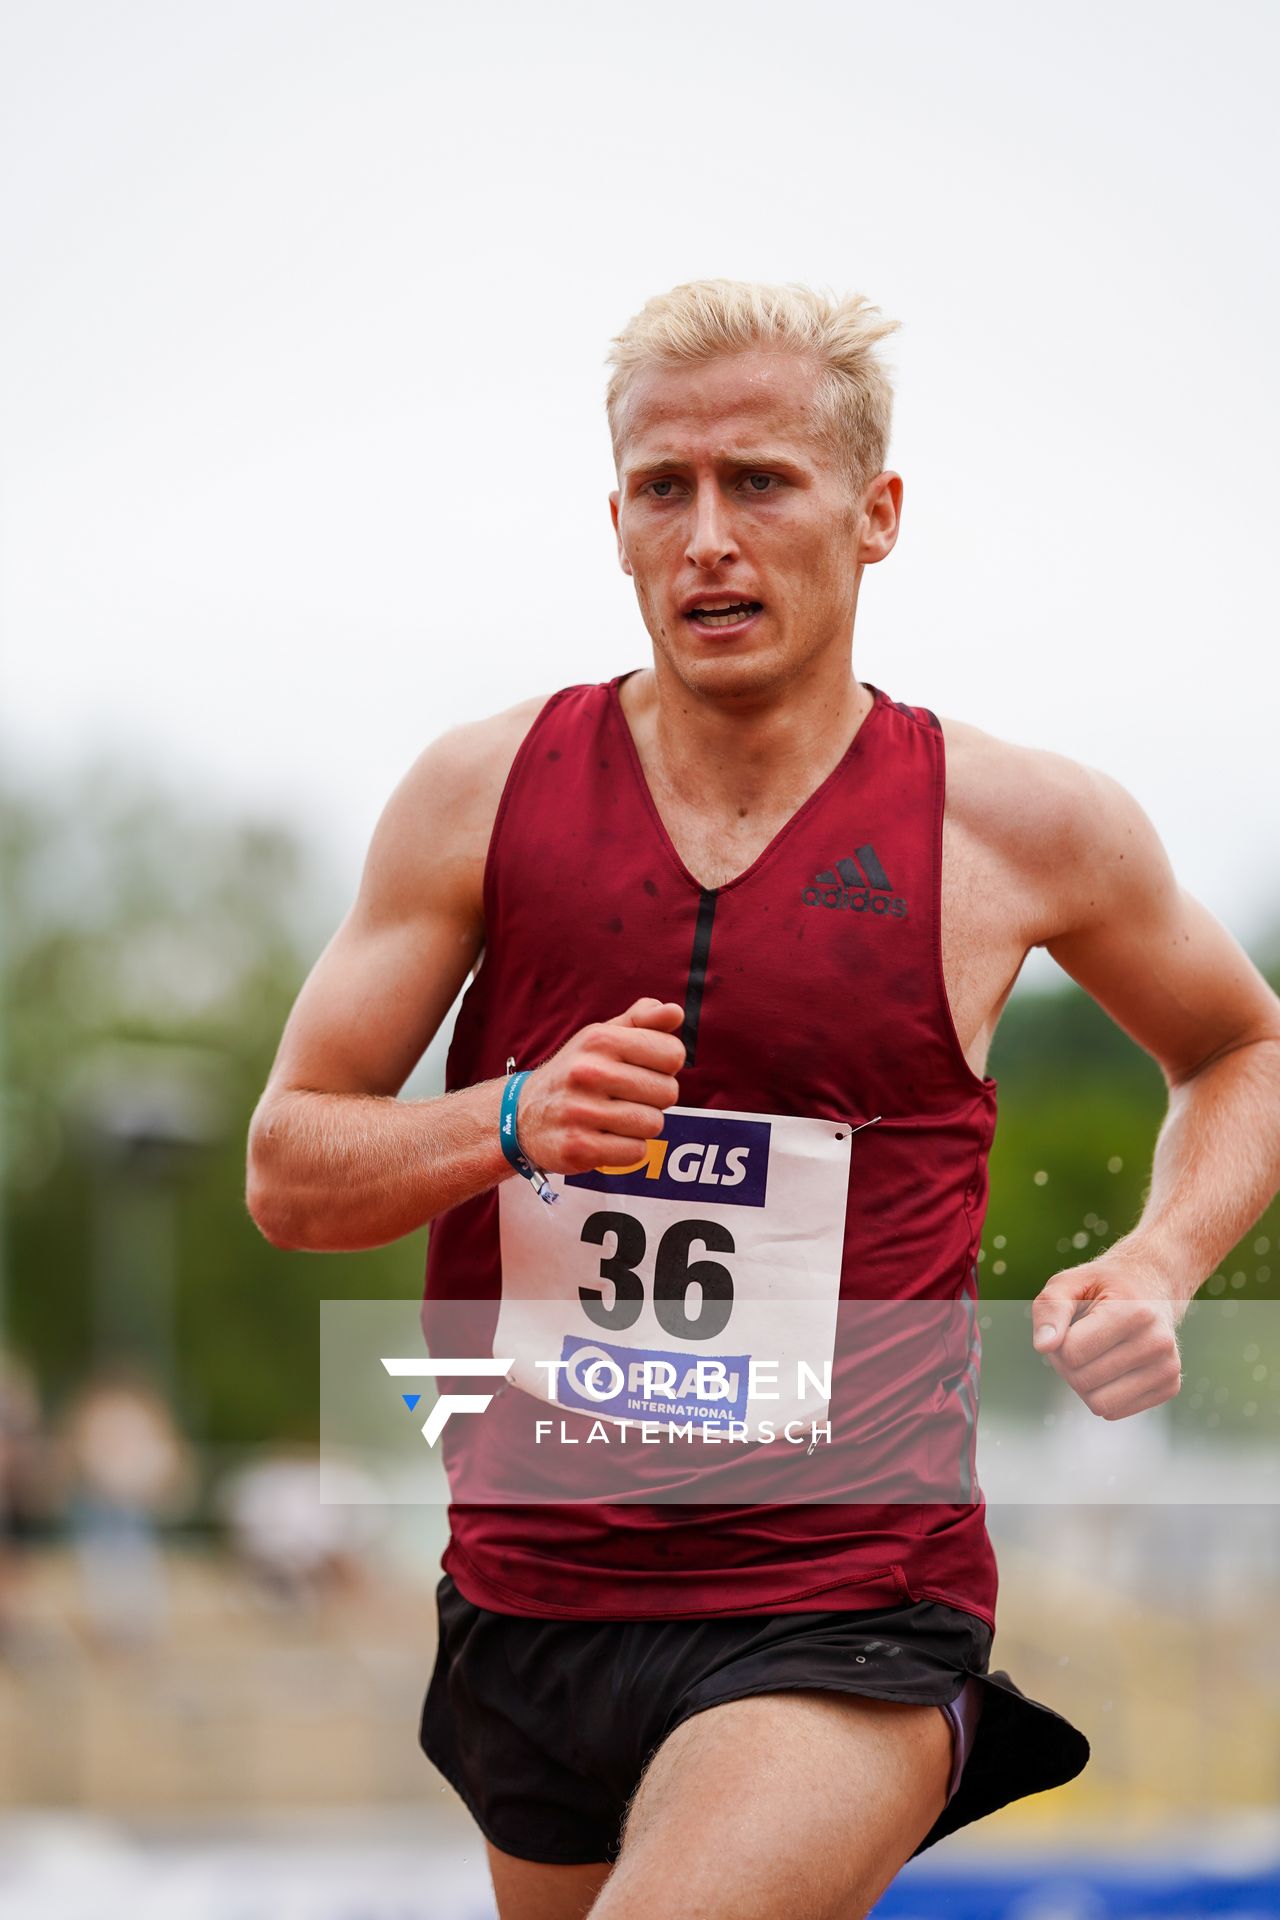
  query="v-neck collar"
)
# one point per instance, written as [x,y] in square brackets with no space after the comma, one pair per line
[878,701]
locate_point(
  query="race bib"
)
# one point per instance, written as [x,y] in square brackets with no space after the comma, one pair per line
[700,1283]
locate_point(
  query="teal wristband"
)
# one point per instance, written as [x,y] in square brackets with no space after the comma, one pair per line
[510,1140]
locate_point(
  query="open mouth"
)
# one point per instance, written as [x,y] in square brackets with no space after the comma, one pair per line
[730,616]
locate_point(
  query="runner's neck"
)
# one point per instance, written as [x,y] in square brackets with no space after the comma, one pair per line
[735,765]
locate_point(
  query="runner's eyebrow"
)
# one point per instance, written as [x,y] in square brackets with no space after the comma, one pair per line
[753,459]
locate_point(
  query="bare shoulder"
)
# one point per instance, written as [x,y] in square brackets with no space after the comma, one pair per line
[432,839]
[465,769]
[1069,836]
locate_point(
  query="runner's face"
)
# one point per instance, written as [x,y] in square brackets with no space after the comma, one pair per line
[728,495]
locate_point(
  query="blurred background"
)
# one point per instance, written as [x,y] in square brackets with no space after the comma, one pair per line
[304,461]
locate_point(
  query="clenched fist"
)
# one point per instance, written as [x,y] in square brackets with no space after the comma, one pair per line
[1109,1328]
[596,1102]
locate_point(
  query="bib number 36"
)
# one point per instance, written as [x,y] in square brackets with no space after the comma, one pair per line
[673,1274]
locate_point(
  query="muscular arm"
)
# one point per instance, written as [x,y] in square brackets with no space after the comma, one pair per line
[1178,983]
[1181,986]
[336,1161]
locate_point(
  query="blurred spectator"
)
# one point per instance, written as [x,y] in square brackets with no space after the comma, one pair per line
[298,1546]
[129,1470]
[21,1473]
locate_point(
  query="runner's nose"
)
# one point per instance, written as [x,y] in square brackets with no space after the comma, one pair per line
[711,538]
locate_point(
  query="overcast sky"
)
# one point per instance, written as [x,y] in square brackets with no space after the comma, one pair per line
[305,318]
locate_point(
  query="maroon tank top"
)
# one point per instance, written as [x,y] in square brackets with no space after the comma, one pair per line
[812,984]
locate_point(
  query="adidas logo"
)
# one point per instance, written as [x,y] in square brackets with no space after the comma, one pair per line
[860,884]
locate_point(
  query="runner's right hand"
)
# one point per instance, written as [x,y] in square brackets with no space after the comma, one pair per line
[596,1102]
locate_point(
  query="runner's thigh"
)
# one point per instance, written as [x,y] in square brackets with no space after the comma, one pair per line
[529,1890]
[786,1806]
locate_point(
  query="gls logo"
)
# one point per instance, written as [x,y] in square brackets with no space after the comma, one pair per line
[847,887]
[418,1369]
[717,1158]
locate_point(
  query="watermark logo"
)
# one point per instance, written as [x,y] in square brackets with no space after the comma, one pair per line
[637,1383]
[416,1368]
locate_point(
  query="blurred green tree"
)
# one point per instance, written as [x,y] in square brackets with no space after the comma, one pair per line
[151,952]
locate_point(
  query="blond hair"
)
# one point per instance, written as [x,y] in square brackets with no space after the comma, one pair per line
[707,318]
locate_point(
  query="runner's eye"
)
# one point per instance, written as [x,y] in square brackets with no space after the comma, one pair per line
[655,488]
[760,482]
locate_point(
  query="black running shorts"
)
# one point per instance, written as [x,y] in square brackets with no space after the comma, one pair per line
[545,1726]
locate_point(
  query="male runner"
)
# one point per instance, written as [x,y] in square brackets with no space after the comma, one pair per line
[744,883]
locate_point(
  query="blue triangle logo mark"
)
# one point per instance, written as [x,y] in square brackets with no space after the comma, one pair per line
[411,1400]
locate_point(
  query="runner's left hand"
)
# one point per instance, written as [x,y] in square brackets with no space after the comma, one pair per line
[1109,1328]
